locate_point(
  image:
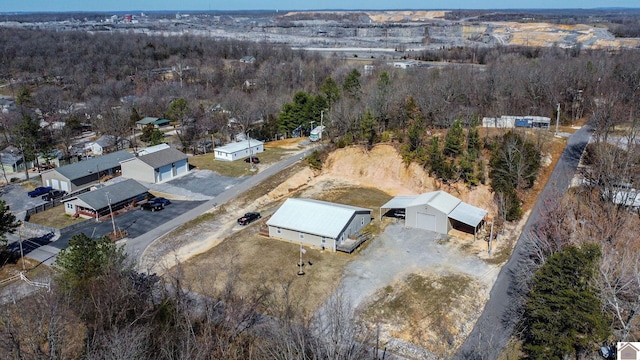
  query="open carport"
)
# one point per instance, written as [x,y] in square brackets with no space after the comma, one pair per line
[436,211]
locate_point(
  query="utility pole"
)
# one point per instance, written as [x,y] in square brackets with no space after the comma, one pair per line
[113,221]
[246,134]
[321,118]
[21,251]
[557,118]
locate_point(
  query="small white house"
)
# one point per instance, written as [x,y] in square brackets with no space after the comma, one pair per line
[239,150]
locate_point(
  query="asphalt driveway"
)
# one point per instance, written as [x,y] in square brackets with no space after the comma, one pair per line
[135,222]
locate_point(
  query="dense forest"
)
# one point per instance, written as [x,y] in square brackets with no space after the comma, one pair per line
[101,308]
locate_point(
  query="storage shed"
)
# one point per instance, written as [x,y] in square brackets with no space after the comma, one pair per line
[239,150]
[436,211]
[94,204]
[80,175]
[156,167]
[318,223]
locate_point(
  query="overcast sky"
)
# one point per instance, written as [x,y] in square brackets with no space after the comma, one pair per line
[150,5]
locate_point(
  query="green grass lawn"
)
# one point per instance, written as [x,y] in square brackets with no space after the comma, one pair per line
[54,217]
[237,168]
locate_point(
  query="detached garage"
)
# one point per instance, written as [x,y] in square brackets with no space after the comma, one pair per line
[156,167]
[239,150]
[319,223]
[436,211]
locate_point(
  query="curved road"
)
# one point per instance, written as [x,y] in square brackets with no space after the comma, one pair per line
[135,247]
[496,323]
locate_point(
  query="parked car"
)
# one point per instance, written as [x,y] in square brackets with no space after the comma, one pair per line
[161,200]
[54,194]
[152,205]
[41,190]
[249,218]
[253,159]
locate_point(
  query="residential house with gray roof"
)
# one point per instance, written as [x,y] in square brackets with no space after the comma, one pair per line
[95,204]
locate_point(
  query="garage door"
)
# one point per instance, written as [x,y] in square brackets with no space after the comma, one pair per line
[55,183]
[64,186]
[165,173]
[425,221]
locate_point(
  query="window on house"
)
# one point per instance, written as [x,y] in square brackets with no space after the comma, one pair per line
[301,236]
[324,240]
[69,206]
[278,230]
[362,221]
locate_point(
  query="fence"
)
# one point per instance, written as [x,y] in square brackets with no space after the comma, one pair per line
[51,204]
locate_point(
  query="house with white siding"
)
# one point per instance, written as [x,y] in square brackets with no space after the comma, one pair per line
[238,150]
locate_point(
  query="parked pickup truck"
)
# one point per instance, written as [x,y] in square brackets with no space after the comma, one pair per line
[152,205]
[249,218]
[41,190]
[53,194]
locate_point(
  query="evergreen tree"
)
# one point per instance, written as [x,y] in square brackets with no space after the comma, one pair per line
[330,91]
[178,110]
[134,116]
[454,139]
[563,314]
[8,223]
[86,259]
[466,166]
[473,140]
[368,127]
[351,85]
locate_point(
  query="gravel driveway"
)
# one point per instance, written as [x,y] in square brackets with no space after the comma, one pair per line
[400,251]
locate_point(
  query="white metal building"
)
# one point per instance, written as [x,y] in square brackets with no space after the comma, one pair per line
[437,211]
[317,223]
[156,167]
[239,150]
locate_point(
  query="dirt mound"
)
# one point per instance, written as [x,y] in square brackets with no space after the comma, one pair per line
[383,168]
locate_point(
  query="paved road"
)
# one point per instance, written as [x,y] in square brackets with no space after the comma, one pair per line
[496,323]
[135,247]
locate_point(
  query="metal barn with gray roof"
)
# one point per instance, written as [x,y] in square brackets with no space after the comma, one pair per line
[156,167]
[80,175]
[318,223]
[436,211]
